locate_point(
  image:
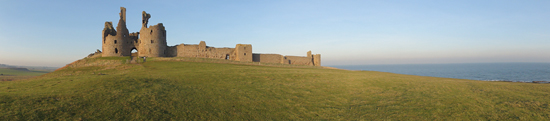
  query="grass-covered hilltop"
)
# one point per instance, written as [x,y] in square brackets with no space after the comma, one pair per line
[210,89]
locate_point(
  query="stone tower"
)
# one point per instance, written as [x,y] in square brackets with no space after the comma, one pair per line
[243,52]
[152,39]
[310,57]
[317,59]
[115,42]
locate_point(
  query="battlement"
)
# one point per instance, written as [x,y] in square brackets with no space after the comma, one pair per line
[150,41]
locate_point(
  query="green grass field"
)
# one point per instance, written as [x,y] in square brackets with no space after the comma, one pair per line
[225,90]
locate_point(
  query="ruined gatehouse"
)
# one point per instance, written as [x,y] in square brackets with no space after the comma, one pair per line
[150,41]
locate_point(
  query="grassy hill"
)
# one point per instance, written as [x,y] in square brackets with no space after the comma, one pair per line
[210,89]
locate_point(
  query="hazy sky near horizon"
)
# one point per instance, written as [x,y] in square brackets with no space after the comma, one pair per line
[344,32]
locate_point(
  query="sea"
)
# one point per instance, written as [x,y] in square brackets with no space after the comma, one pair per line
[515,72]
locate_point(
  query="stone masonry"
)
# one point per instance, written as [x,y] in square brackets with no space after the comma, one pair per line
[151,42]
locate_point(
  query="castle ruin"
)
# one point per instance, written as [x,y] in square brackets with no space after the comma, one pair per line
[151,42]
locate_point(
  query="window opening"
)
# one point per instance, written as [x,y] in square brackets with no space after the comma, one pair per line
[115,41]
[151,41]
[116,50]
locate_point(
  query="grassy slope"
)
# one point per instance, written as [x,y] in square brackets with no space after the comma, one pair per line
[192,90]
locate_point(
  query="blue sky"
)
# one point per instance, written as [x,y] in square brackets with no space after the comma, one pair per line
[46,33]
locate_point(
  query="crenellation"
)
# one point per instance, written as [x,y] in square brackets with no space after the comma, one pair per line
[150,41]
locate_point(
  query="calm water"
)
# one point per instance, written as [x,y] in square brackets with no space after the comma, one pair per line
[485,71]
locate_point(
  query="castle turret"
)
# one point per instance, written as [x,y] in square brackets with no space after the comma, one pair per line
[317,59]
[152,39]
[310,58]
[115,42]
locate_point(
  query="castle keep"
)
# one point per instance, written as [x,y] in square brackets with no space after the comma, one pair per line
[151,42]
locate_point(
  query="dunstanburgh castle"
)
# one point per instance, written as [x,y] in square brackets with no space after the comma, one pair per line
[151,42]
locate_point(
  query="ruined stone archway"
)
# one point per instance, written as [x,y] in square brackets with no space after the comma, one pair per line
[134,52]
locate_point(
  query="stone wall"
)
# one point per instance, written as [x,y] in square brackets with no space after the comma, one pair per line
[297,60]
[171,51]
[267,58]
[312,60]
[220,53]
[188,51]
[203,51]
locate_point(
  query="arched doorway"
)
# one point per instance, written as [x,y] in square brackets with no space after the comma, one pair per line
[227,57]
[134,52]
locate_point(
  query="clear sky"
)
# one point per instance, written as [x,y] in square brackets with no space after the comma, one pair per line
[46,33]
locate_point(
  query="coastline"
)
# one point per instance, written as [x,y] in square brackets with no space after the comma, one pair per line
[504,72]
